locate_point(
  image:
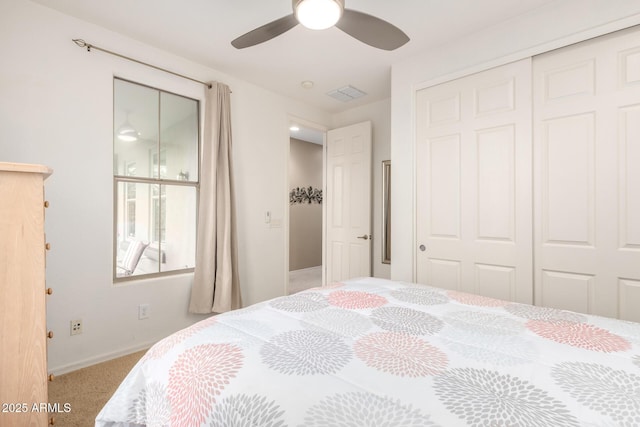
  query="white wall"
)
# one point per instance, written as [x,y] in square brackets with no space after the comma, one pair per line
[554,25]
[56,108]
[379,113]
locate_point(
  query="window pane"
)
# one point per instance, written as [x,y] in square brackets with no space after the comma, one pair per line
[179,136]
[135,127]
[132,227]
[178,227]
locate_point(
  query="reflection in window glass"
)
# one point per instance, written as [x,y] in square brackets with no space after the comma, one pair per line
[178,212]
[130,197]
[130,229]
[158,213]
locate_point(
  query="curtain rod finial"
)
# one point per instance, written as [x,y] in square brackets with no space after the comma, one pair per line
[82,43]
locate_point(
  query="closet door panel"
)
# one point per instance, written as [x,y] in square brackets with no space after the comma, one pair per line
[587,185]
[568,291]
[444,186]
[628,297]
[473,217]
[495,181]
[568,173]
[496,281]
[629,190]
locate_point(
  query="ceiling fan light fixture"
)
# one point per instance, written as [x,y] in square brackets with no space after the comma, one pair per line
[318,14]
[127,133]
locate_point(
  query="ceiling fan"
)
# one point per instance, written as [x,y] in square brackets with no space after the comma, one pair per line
[322,14]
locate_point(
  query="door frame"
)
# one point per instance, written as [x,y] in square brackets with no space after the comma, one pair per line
[324,129]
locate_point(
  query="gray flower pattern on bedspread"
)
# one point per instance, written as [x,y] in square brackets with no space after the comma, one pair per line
[544,313]
[484,323]
[487,337]
[364,410]
[152,401]
[247,411]
[338,321]
[421,296]
[402,319]
[487,398]
[609,391]
[306,353]
[302,302]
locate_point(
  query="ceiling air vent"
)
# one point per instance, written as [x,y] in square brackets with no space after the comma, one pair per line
[346,94]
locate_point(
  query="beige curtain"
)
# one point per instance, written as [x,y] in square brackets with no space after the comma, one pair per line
[216,287]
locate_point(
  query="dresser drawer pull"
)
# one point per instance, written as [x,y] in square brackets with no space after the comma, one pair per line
[52,421]
[47,246]
[49,291]
[46,203]
[50,334]
[52,377]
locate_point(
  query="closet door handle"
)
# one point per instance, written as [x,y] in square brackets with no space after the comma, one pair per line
[365,236]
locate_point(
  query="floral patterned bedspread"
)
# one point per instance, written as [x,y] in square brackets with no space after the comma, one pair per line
[372,352]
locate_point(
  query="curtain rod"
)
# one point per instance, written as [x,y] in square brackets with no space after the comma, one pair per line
[89,46]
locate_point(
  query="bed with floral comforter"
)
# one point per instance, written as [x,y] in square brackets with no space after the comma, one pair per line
[373,352]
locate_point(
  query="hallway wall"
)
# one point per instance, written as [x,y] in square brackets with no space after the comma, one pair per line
[305,220]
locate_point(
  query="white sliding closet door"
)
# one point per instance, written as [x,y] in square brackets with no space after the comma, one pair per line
[587,176]
[474,184]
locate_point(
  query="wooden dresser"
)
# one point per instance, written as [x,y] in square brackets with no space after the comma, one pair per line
[23,293]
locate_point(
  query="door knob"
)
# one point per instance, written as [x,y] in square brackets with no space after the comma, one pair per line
[365,236]
[422,248]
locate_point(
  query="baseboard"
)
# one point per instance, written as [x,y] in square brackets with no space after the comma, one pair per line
[65,369]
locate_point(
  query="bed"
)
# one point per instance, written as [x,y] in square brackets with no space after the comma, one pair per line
[374,352]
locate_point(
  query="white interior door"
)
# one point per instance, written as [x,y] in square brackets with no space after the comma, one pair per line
[348,202]
[587,156]
[474,195]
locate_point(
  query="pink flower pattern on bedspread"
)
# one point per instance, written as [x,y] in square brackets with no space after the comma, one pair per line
[579,335]
[162,347]
[375,353]
[355,300]
[400,354]
[197,378]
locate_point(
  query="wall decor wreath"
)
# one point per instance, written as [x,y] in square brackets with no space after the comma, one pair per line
[300,195]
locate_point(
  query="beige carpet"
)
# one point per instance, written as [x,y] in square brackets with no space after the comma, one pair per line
[87,390]
[306,278]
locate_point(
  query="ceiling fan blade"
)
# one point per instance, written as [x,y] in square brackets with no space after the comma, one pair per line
[371,30]
[266,32]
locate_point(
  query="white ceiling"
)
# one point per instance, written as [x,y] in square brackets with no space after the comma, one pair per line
[307,134]
[201,30]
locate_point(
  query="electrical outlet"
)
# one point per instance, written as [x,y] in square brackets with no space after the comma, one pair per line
[143,311]
[76,327]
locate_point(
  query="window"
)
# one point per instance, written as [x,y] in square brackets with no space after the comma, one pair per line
[156,157]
